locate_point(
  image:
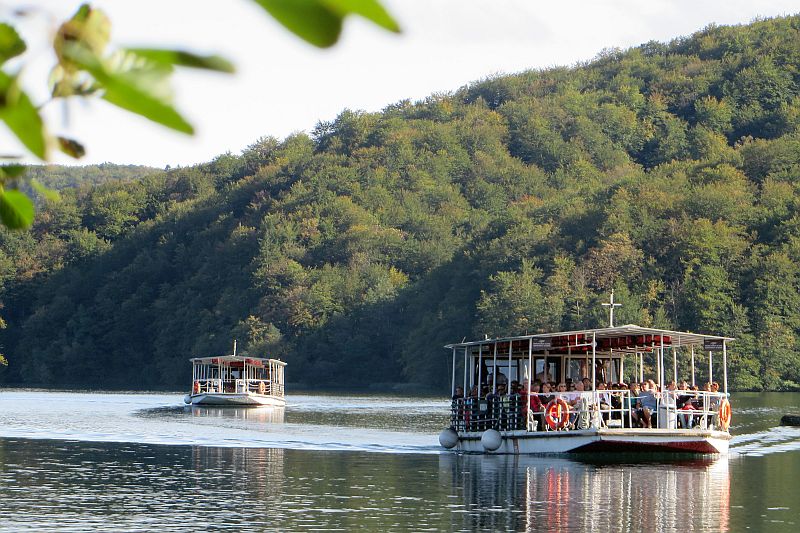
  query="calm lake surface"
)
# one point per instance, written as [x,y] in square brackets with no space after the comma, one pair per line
[143,462]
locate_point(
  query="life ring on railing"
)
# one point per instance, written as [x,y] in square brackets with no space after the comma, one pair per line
[262,389]
[725,415]
[196,388]
[556,414]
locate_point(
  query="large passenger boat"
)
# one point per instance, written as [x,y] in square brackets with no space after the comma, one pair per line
[237,380]
[593,409]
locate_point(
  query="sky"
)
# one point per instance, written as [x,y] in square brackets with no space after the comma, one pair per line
[284,85]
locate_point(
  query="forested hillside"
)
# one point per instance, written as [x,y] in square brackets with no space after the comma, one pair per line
[668,172]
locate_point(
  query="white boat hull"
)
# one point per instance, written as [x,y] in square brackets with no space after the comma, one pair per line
[240,399]
[603,441]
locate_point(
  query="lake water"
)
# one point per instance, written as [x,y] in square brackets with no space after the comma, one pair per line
[143,462]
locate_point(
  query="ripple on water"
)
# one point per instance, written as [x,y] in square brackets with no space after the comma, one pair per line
[775,440]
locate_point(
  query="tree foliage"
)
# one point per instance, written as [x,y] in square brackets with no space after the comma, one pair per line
[669,173]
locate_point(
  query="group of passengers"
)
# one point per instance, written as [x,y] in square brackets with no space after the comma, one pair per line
[636,405]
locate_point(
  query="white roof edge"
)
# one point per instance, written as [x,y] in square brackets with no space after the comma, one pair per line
[602,332]
[237,358]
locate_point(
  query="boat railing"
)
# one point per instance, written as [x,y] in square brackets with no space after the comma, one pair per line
[503,413]
[205,386]
[238,386]
[688,409]
[260,386]
[612,408]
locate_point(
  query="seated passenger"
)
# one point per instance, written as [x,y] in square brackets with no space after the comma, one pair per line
[647,405]
[459,392]
[616,401]
[579,405]
[457,416]
[687,417]
[630,404]
[535,403]
[604,400]
[545,398]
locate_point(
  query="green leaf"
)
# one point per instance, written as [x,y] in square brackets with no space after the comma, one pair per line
[371,10]
[11,44]
[320,21]
[183,59]
[132,90]
[21,117]
[12,171]
[16,209]
[71,147]
[45,191]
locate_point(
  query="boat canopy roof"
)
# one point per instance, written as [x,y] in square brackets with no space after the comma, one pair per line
[671,338]
[228,359]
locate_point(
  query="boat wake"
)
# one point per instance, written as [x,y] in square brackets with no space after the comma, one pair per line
[160,419]
[775,440]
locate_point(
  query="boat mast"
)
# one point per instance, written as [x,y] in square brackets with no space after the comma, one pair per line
[611,305]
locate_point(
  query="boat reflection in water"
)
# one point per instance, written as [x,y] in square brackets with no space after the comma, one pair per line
[258,473]
[541,494]
[265,414]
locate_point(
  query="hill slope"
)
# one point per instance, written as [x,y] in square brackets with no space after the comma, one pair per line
[668,172]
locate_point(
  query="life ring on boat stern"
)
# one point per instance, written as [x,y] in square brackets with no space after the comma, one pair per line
[196,388]
[725,414]
[262,388]
[556,414]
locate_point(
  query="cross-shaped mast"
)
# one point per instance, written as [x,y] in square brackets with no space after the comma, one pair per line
[611,305]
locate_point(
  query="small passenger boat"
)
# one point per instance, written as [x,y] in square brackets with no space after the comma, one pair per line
[237,380]
[485,418]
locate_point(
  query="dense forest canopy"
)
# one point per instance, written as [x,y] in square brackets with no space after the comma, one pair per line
[669,173]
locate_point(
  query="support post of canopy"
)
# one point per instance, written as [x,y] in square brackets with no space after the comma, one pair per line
[480,369]
[453,383]
[606,377]
[675,360]
[494,370]
[621,367]
[641,367]
[710,367]
[594,368]
[725,366]
[693,384]
[466,367]
[530,368]
[661,365]
[508,377]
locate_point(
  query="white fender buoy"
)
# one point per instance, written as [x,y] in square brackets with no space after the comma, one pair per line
[448,438]
[187,399]
[491,440]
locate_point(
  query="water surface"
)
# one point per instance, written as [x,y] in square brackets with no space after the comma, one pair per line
[138,462]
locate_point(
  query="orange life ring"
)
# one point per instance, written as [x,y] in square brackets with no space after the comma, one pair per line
[196,388]
[262,388]
[556,414]
[725,414]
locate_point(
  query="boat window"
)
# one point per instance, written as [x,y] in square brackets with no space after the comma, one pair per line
[576,368]
[511,374]
[552,366]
